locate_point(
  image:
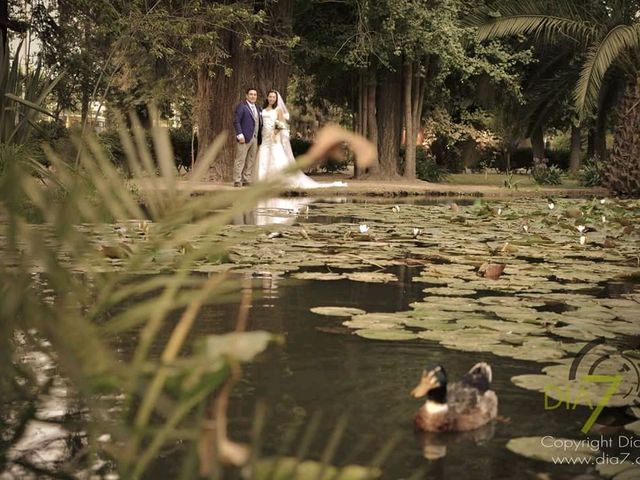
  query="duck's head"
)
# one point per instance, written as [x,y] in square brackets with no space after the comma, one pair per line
[433,383]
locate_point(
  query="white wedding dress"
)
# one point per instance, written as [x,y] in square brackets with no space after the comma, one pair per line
[275,155]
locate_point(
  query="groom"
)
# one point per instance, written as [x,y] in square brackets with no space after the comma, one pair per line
[248,125]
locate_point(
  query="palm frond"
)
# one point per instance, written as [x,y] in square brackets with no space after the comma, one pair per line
[600,58]
[543,27]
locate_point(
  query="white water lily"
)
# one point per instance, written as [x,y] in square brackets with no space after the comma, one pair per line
[581,228]
[417,231]
[583,239]
[396,208]
[603,201]
[364,228]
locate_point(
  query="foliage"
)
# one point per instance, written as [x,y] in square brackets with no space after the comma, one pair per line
[545,174]
[510,182]
[591,173]
[185,147]
[610,36]
[300,146]
[89,271]
[427,168]
[21,98]
[73,286]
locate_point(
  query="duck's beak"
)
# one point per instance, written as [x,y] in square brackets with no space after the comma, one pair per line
[427,382]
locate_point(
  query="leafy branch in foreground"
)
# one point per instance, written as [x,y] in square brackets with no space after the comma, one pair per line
[74,286]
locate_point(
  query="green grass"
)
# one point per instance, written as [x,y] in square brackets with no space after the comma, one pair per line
[494,179]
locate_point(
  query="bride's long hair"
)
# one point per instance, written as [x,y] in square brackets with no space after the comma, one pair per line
[266,99]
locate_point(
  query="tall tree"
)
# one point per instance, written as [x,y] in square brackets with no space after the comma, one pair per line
[369,44]
[257,55]
[609,38]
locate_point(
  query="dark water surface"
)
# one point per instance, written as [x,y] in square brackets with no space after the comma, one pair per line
[370,381]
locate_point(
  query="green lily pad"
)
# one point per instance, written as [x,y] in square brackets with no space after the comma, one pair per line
[545,449]
[387,334]
[318,276]
[337,311]
[288,467]
[372,277]
[241,346]
[619,470]
[633,427]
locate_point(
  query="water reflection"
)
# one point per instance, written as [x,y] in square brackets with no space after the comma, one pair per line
[275,211]
[434,445]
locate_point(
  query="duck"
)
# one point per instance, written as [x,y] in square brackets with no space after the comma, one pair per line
[459,407]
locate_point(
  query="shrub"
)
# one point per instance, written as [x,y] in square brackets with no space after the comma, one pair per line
[545,174]
[299,146]
[427,168]
[181,143]
[110,141]
[50,131]
[560,158]
[332,165]
[591,173]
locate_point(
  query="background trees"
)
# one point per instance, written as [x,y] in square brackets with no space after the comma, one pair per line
[605,36]
[388,69]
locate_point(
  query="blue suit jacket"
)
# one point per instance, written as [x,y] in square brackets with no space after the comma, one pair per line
[244,123]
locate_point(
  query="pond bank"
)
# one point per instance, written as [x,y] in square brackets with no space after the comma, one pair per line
[369,188]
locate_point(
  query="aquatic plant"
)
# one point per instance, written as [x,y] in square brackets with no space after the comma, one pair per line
[72,287]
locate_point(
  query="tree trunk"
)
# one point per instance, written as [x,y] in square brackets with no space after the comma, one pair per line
[218,93]
[84,105]
[389,101]
[576,143]
[591,144]
[537,143]
[4,20]
[622,171]
[274,66]
[600,140]
[372,120]
[409,131]
[217,96]
[361,115]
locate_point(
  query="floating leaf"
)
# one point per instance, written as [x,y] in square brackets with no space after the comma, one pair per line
[387,334]
[318,276]
[241,346]
[542,448]
[285,468]
[372,277]
[337,311]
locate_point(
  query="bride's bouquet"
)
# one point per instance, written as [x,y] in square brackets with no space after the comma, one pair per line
[279,125]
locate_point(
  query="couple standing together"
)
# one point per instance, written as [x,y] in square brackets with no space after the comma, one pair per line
[262,134]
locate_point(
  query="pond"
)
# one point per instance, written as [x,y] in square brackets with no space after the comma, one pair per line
[324,368]
[369,381]
[417,272]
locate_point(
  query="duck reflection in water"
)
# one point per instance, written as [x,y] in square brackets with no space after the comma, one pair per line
[434,444]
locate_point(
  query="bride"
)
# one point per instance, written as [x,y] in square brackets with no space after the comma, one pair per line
[275,154]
